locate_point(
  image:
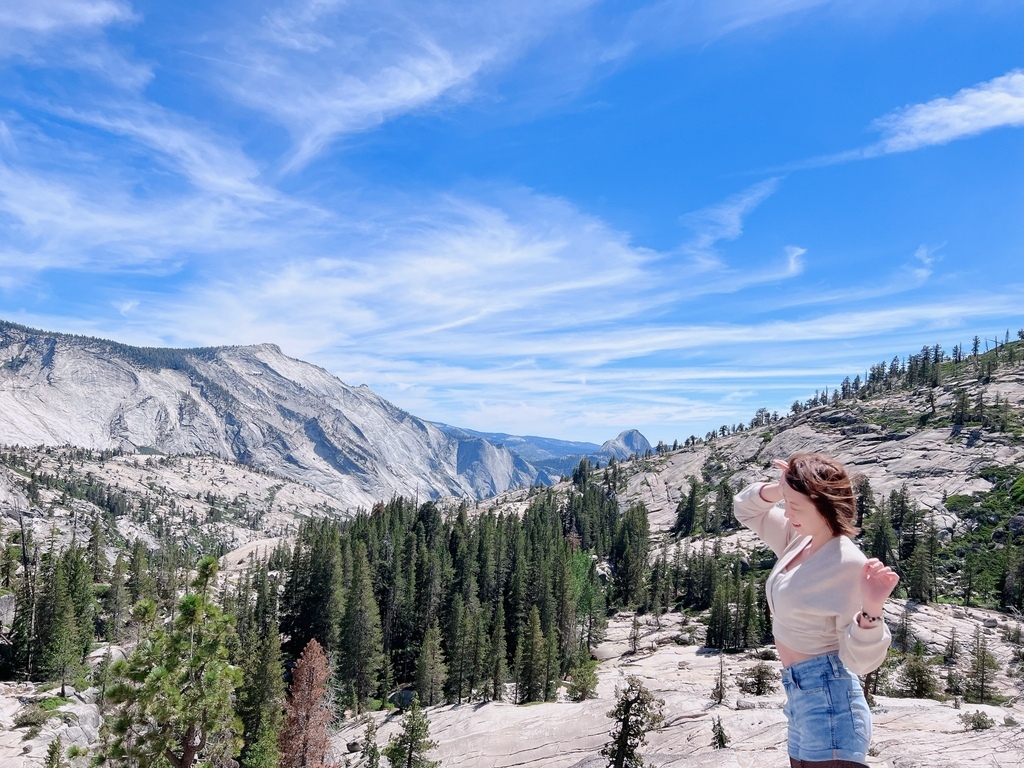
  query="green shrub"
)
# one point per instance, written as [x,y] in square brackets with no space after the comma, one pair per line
[53,703]
[31,715]
[758,681]
[976,721]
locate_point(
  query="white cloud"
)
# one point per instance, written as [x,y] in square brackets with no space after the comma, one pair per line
[69,34]
[210,163]
[723,221]
[50,16]
[996,103]
[327,69]
[671,23]
[794,259]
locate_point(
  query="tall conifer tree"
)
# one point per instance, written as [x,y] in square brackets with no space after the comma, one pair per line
[361,654]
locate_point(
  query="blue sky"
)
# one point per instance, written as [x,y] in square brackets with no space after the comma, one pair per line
[563,218]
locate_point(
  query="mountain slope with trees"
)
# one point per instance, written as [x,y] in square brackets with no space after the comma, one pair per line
[507,602]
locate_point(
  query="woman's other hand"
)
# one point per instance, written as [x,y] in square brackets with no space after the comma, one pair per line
[877,581]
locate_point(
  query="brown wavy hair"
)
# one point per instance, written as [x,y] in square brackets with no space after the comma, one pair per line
[825,482]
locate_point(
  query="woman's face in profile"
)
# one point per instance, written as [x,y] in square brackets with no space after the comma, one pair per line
[802,514]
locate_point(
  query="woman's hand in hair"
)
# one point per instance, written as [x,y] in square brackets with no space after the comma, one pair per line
[772,492]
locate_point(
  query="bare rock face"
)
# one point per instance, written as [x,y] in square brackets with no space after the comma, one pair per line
[907,733]
[254,405]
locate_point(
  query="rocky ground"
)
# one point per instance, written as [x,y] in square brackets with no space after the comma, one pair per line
[908,733]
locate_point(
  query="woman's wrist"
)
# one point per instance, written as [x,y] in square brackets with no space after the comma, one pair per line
[773,495]
[870,609]
[867,619]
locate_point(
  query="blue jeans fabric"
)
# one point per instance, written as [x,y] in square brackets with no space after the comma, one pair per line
[828,716]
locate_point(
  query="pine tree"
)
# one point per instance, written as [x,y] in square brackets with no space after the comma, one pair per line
[634,634]
[629,555]
[904,635]
[719,738]
[750,618]
[431,670]
[636,712]
[983,667]
[115,601]
[361,642]
[264,752]
[409,748]
[55,754]
[532,661]
[62,653]
[457,645]
[720,620]
[97,556]
[25,626]
[880,537]
[759,680]
[551,667]
[305,740]
[140,581]
[313,603]
[952,650]
[497,658]
[583,679]
[917,678]
[261,699]
[172,696]
[686,511]
[718,692]
[370,748]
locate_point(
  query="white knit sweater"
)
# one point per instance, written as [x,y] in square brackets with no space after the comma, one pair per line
[814,605]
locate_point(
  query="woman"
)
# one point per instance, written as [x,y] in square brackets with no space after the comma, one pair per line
[826,600]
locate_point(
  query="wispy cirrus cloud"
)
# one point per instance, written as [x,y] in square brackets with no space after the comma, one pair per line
[997,103]
[90,216]
[723,221]
[51,16]
[211,164]
[972,111]
[69,34]
[670,23]
[326,69]
[460,277]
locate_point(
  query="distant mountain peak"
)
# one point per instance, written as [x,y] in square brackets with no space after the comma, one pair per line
[627,443]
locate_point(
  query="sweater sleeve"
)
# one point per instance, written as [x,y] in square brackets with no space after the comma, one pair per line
[763,518]
[861,649]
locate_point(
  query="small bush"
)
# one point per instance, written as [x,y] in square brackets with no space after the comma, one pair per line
[583,680]
[758,681]
[976,721]
[767,654]
[53,703]
[30,716]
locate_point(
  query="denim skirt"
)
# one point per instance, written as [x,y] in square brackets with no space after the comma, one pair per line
[828,716]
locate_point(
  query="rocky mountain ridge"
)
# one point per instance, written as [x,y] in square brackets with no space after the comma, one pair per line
[251,404]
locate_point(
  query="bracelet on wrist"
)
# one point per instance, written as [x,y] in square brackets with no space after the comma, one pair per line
[869,618]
